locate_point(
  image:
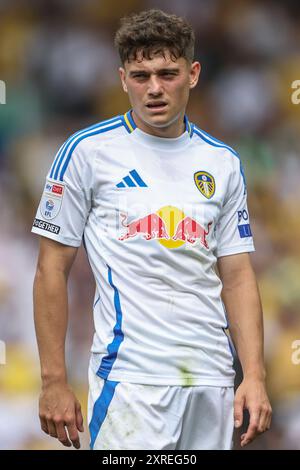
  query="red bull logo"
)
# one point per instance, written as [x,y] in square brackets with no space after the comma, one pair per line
[169,226]
[190,230]
[151,226]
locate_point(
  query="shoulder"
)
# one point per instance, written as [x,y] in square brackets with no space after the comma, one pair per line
[84,141]
[202,137]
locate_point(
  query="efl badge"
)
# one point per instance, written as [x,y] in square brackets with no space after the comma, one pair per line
[205,183]
[51,200]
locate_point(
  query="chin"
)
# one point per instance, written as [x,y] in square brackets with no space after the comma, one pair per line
[159,121]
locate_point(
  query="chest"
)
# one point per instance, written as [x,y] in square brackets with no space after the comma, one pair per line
[170,196]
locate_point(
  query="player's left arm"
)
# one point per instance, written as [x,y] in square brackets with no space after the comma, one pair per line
[242,302]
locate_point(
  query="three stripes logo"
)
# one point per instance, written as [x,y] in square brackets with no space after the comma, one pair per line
[132,180]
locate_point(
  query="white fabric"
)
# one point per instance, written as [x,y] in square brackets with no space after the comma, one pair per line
[144,417]
[160,318]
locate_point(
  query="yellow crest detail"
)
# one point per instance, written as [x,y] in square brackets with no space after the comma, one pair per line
[205,183]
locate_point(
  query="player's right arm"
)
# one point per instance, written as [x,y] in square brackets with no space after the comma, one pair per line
[59,410]
[60,221]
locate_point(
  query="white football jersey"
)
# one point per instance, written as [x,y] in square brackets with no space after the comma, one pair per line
[154,215]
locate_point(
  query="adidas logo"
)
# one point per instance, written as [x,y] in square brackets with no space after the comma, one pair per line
[132,181]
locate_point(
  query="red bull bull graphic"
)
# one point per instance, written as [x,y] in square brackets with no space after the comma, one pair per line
[151,226]
[169,226]
[190,230]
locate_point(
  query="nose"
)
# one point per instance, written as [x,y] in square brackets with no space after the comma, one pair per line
[155,88]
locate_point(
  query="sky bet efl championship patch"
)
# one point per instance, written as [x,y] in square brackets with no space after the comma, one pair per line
[51,200]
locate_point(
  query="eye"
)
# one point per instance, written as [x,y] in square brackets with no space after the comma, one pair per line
[168,74]
[140,76]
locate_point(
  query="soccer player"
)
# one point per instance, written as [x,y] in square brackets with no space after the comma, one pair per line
[159,205]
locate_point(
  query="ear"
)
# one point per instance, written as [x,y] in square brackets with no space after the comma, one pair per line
[194,74]
[123,78]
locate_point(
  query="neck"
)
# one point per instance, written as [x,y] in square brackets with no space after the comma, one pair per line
[173,130]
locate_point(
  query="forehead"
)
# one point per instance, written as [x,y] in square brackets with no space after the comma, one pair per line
[157,62]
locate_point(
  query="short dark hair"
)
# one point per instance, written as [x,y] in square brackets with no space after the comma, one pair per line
[152,32]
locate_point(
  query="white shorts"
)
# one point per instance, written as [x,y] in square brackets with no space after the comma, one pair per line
[127,416]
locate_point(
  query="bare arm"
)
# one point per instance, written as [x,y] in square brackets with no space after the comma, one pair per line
[242,301]
[58,405]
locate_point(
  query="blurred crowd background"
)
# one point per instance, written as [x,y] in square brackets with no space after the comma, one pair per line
[60,68]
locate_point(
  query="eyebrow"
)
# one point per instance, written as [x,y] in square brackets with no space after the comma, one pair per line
[146,72]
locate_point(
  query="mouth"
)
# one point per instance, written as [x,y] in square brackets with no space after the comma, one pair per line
[156,105]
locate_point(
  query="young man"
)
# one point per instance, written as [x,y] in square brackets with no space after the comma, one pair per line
[158,203]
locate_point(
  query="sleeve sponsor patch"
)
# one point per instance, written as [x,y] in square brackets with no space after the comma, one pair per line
[51,199]
[245,231]
[41,224]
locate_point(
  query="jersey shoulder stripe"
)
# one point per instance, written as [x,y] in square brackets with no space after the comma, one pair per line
[64,155]
[65,161]
[212,140]
[68,142]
